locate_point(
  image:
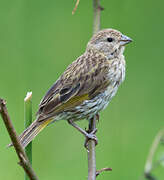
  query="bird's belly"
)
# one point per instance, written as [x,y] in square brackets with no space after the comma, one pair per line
[106,96]
[90,107]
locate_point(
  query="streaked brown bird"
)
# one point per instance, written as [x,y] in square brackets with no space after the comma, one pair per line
[86,87]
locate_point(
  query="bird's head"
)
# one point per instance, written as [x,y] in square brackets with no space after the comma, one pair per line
[110,42]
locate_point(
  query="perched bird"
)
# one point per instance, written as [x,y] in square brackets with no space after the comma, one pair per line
[86,86]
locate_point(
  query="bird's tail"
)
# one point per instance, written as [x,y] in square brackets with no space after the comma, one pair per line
[33,130]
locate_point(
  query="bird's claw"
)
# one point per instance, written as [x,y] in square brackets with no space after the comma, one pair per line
[90,136]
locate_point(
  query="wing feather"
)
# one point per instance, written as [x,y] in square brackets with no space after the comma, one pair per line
[81,81]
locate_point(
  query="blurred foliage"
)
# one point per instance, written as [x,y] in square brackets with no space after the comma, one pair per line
[38,39]
[155,158]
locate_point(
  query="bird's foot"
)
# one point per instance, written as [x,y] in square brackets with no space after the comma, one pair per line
[90,136]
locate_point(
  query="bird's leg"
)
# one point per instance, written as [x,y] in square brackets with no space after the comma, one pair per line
[88,135]
[90,131]
[97,117]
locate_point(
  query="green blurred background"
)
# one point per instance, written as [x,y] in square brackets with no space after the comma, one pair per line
[38,39]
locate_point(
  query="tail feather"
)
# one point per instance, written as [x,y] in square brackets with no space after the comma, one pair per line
[32,131]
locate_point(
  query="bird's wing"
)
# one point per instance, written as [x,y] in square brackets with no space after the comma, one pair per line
[82,80]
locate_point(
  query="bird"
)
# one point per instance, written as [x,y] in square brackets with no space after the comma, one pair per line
[86,87]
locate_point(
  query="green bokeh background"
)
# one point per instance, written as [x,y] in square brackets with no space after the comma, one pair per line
[38,39]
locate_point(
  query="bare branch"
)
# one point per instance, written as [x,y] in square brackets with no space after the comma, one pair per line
[91,151]
[92,123]
[97,11]
[24,162]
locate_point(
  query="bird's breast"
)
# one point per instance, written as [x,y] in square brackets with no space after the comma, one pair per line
[116,71]
[116,76]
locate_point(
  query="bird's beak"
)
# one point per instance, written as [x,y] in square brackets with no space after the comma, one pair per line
[125,40]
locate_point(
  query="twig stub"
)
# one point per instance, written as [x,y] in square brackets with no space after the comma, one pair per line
[102,170]
[100,8]
[2,103]
[76,5]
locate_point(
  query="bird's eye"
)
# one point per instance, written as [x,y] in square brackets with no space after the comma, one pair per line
[110,39]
